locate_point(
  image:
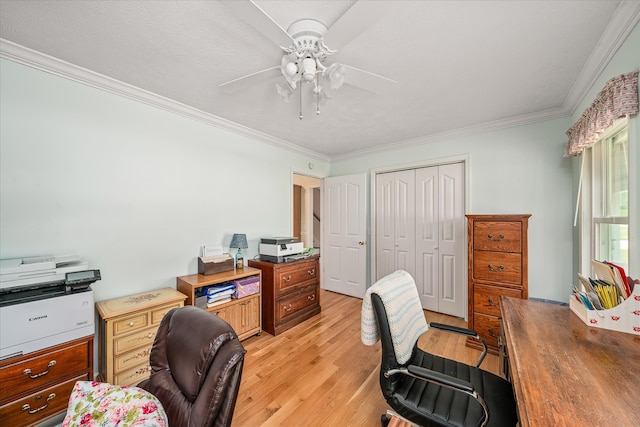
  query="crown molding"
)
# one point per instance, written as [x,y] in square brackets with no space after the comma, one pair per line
[49,64]
[624,20]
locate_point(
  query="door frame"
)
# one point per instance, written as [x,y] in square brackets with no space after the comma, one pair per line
[465,159]
[293,172]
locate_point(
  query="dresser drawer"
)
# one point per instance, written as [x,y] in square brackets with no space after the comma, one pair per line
[488,327]
[291,307]
[497,236]
[130,324]
[134,375]
[290,278]
[498,267]
[486,299]
[157,315]
[139,339]
[42,404]
[132,359]
[45,368]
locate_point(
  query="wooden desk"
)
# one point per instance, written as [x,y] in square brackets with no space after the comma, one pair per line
[565,373]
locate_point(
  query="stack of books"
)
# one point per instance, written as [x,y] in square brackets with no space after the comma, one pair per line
[219,294]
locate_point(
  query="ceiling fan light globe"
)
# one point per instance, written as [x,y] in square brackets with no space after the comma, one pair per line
[291,69]
[308,77]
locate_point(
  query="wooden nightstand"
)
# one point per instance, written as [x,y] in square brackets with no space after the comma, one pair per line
[127,328]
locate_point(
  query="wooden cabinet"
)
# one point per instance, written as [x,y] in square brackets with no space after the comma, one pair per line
[242,314]
[497,266]
[36,386]
[290,292]
[127,329]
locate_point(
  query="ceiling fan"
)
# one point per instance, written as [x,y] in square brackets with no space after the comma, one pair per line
[305,45]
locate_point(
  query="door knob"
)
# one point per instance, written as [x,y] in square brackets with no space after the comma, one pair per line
[362,243]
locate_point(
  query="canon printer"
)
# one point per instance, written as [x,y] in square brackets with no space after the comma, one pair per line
[44,301]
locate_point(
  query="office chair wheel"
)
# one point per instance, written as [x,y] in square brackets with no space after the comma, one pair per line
[384,420]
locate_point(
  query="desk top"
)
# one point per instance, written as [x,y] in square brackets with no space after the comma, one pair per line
[565,373]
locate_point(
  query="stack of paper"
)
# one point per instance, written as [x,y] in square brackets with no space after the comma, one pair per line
[609,289]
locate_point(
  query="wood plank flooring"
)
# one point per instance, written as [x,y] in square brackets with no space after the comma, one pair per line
[320,374]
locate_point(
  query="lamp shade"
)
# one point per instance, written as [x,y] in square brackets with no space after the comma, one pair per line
[239,241]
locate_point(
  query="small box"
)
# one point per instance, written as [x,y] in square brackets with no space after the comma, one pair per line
[625,317]
[214,264]
[247,286]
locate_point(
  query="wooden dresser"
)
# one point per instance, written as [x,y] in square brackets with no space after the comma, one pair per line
[497,265]
[242,314]
[36,386]
[290,292]
[127,329]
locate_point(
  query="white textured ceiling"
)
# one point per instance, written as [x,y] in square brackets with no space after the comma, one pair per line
[459,64]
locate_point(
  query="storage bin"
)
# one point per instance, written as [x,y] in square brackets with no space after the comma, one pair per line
[247,286]
[625,317]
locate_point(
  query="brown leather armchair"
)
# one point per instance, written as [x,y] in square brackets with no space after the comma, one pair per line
[196,367]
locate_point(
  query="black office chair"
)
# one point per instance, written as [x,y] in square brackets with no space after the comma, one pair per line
[421,387]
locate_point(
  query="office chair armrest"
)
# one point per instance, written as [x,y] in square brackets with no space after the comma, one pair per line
[463,331]
[442,380]
[454,329]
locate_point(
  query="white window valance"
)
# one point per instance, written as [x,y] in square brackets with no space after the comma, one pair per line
[618,99]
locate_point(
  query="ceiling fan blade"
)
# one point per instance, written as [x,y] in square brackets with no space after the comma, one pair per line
[359,17]
[253,15]
[369,81]
[253,78]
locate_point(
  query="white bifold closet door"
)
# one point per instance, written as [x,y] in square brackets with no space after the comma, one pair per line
[420,228]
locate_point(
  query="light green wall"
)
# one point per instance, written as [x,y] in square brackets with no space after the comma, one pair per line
[519,170]
[134,189]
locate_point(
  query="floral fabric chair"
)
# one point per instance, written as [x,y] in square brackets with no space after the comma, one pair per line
[96,404]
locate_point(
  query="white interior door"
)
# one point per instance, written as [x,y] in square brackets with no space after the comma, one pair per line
[420,228]
[427,274]
[440,264]
[344,236]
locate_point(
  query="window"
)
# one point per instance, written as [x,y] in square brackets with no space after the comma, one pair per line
[607,217]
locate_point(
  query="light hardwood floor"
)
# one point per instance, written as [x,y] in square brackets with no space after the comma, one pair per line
[320,374]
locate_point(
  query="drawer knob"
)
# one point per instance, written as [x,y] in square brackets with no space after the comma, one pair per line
[287,279]
[150,335]
[33,377]
[311,272]
[311,297]
[287,307]
[131,323]
[500,237]
[499,268]
[492,333]
[26,406]
[492,302]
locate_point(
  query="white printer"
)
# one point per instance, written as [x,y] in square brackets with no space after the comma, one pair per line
[44,301]
[280,249]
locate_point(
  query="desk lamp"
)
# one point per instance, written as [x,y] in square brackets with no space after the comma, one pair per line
[239,241]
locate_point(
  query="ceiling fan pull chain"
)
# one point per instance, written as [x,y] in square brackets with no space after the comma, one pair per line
[300,116]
